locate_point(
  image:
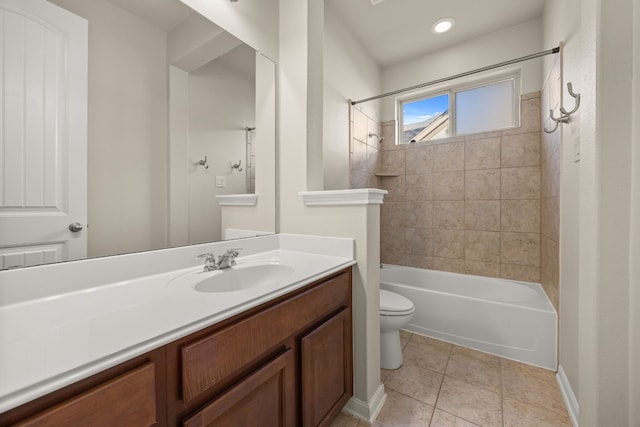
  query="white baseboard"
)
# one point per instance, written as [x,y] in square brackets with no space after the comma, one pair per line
[567,394]
[367,411]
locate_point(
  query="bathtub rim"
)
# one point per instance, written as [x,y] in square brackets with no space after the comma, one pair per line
[537,287]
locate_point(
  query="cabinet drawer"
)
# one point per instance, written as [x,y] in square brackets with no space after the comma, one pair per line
[264,398]
[210,360]
[129,399]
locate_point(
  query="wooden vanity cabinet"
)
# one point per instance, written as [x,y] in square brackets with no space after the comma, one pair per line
[287,362]
[132,393]
[205,368]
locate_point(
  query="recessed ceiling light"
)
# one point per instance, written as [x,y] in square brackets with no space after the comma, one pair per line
[375,2]
[443,25]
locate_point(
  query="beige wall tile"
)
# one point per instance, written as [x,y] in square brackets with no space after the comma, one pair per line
[359,156]
[520,215]
[389,135]
[419,214]
[373,127]
[393,162]
[482,246]
[359,125]
[419,159]
[419,261]
[392,246]
[482,184]
[530,95]
[483,135]
[482,268]
[520,183]
[482,215]
[529,117]
[448,214]
[550,218]
[373,160]
[448,243]
[418,187]
[448,186]
[520,249]
[550,269]
[482,153]
[521,150]
[396,188]
[373,182]
[392,215]
[419,241]
[448,264]
[359,179]
[520,272]
[448,157]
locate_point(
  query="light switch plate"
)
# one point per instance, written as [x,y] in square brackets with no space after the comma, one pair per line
[221,181]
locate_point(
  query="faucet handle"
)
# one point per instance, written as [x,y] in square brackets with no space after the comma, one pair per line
[206,255]
[234,252]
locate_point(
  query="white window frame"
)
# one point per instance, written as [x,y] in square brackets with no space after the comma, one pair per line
[468,84]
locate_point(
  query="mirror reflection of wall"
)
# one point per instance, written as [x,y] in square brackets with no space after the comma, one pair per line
[221,108]
[134,51]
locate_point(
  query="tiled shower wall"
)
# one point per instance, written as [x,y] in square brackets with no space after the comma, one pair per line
[365,151]
[550,188]
[464,204]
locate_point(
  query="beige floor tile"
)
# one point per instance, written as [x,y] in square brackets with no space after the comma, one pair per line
[427,353]
[384,373]
[402,411]
[415,381]
[444,419]
[344,420]
[470,402]
[535,386]
[475,367]
[405,334]
[519,414]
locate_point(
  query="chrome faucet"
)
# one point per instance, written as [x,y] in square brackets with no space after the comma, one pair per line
[223,261]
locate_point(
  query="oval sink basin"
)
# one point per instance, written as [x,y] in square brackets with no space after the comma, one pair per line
[237,278]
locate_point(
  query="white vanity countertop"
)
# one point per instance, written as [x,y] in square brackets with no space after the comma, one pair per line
[59,338]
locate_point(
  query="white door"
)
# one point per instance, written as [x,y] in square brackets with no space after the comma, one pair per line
[43,133]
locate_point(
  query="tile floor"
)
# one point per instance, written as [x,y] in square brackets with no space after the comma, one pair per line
[442,385]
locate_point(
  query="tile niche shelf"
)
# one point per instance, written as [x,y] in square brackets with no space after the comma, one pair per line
[387,175]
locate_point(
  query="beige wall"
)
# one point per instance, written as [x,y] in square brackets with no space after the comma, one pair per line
[365,152]
[127,132]
[466,204]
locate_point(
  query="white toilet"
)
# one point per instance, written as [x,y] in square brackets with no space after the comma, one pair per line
[395,313]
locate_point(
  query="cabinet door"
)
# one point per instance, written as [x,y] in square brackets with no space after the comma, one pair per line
[265,398]
[128,400]
[327,370]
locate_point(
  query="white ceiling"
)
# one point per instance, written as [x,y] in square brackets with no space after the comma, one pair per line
[396,30]
[165,14]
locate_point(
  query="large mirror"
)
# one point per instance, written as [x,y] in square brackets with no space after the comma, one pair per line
[173,120]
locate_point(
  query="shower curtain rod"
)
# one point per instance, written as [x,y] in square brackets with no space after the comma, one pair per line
[467,73]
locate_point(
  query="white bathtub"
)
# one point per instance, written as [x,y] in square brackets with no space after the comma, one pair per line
[504,317]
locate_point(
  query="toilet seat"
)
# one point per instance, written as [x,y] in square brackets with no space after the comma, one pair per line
[392,304]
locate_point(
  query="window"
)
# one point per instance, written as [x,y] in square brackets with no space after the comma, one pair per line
[460,110]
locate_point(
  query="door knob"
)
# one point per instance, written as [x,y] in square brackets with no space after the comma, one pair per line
[75,227]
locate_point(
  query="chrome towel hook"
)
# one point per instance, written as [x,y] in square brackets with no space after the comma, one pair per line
[565,115]
[237,166]
[203,162]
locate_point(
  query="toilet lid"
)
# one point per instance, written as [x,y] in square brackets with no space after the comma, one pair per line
[390,301]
